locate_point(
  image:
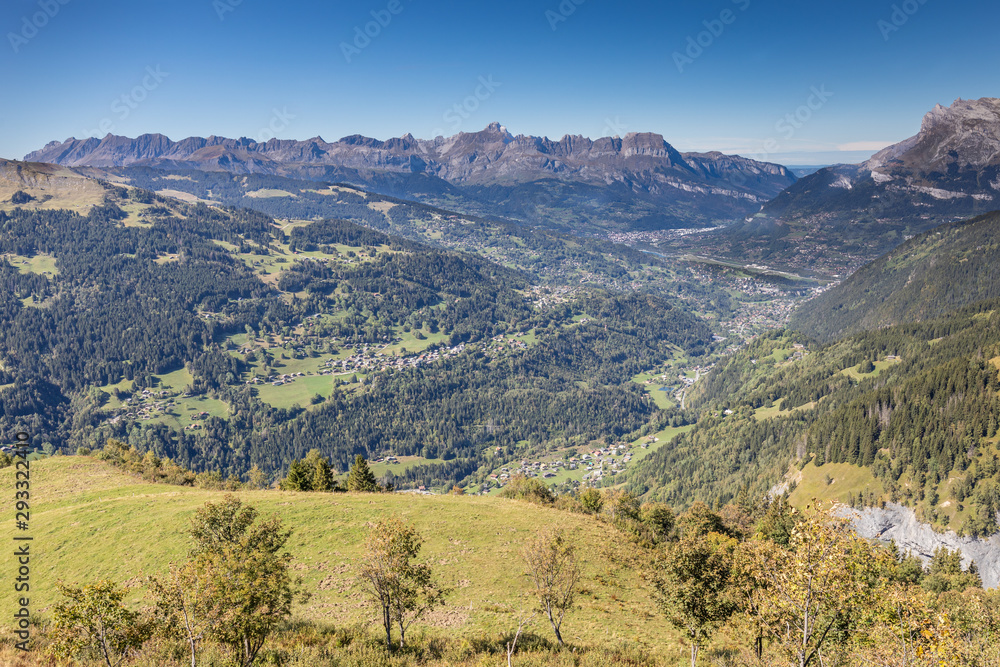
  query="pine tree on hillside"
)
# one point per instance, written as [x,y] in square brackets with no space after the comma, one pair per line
[361,478]
[300,477]
[322,473]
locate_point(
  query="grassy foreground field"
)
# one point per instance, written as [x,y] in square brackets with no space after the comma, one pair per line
[90,521]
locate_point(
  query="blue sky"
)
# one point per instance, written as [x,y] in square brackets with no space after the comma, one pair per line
[791,82]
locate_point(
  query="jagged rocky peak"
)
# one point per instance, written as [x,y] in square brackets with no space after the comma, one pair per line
[950,169]
[966,134]
[963,112]
[934,116]
[492,133]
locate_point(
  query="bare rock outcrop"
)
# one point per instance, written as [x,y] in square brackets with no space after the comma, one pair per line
[900,524]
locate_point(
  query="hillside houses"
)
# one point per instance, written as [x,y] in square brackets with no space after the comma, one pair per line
[146,405]
[366,361]
[588,467]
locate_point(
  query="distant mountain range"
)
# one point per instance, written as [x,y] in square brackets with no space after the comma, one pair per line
[636,182]
[831,222]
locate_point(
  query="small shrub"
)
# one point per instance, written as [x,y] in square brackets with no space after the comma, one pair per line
[527,488]
[592,500]
[20,197]
[569,504]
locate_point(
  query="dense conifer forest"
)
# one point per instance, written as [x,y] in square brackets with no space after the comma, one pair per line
[917,405]
[144,287]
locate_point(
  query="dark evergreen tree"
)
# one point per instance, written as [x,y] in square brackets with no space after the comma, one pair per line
[361,478]
[300,477]
[322,473]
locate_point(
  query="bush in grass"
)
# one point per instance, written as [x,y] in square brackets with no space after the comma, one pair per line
[527,488]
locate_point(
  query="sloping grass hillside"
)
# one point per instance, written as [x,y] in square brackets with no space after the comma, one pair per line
[90,521]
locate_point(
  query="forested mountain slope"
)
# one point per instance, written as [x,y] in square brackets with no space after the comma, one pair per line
[914,405]
[547,257]
[216,337]
[949,267]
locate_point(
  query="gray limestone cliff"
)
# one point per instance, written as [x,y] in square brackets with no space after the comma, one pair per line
[900,524]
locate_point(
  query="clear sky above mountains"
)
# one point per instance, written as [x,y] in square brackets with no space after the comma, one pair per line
[791,82]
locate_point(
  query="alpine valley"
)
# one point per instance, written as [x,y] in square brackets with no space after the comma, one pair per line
[228,303]
[696,348]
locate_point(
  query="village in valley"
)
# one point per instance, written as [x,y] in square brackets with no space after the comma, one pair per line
[302,366]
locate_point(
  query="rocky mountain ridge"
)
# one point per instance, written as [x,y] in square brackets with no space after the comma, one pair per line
[954,158]
[841,217]
[492,155]
[639,179]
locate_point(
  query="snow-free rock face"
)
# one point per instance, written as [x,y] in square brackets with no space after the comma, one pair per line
[638,181]
[899,524]
[966,135]
[853,213]
[955,158]
[491,156]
